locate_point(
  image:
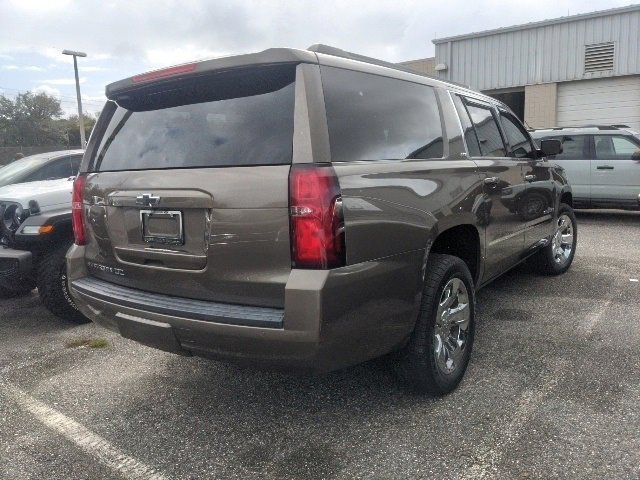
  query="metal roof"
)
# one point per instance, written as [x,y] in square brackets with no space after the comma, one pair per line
[542,23]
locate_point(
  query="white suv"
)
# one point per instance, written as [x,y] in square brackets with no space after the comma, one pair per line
[602,164]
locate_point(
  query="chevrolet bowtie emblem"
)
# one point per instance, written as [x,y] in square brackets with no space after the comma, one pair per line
[147,199]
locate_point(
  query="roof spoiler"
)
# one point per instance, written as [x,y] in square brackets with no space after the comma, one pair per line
[193,69]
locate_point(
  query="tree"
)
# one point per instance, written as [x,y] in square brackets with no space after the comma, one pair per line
[70,128]
[30,119]
[9,130]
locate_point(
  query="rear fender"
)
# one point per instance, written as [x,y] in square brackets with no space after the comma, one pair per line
[447,223]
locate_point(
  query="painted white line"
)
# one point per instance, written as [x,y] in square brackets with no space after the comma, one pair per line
[487,463]
[91,443]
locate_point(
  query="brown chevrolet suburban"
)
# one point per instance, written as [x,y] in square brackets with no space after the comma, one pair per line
[309,210]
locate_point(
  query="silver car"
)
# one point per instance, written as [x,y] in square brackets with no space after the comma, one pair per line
[602,164]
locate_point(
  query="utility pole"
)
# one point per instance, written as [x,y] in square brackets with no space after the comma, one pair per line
[83,142]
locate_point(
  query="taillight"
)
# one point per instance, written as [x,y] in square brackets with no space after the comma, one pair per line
[77,210]
[317,222]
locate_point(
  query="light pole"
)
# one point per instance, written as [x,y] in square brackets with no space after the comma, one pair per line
[83,142]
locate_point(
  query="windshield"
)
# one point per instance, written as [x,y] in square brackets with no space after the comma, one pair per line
[19,171]
[231,119]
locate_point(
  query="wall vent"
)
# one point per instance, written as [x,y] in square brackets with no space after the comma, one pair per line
[598,57]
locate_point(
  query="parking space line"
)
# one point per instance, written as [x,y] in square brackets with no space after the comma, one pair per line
[594,318]
[91,443]
[486,465]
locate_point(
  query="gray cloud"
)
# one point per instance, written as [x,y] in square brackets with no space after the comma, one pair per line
[123,38]
[396,30]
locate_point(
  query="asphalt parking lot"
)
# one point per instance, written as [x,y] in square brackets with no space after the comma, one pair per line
[552,392]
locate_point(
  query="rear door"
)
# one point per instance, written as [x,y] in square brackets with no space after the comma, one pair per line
[615,171]
[504,185]
[188,188]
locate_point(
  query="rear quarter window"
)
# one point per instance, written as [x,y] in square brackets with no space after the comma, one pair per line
[371,117]
[491,144]
[230,119]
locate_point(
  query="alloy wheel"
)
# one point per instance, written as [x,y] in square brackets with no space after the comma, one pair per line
[563,240]
[452,326]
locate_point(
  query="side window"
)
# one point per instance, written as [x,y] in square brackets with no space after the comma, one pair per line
[378,118]
[491,144]
[469,132]
[75,164]
[60,168]
[609,147]
[519,140]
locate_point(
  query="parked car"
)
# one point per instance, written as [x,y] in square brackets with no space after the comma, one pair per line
[602,164]
[43,166]
[35,234]
[309,210]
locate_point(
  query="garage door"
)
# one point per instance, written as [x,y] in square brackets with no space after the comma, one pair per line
[605,101]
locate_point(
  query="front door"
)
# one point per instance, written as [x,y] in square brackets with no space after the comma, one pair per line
[575,159]
[615,171]
[536,205]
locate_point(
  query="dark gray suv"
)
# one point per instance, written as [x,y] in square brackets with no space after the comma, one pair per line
[309,210]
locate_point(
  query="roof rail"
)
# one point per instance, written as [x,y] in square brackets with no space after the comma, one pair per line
[338,52]
[599,127]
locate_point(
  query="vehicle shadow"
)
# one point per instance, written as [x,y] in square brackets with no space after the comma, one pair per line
[30,314]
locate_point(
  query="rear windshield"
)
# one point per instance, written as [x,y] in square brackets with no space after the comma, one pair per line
[229,119]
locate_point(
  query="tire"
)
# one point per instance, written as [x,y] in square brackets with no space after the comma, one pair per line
[557,257]
[7,290]
[53,288]
[424,366]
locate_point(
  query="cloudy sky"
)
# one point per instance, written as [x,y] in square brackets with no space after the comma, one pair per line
[127,37]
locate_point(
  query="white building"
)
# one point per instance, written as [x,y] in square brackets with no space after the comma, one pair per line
[570,71]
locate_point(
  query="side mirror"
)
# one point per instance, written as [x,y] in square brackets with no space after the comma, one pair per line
[550,147]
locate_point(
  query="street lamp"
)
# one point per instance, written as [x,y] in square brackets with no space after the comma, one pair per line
[83,142]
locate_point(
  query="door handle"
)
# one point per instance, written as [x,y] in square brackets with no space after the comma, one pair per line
[491,180]
[604,167]
[529,178]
